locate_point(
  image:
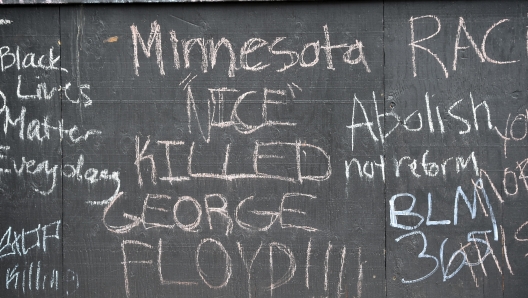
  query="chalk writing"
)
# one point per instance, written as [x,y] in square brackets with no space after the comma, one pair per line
[480,51]
[229,169]
[369,122]
[24,242]
[223,172]
[37,279]
[209,51]
[135,253]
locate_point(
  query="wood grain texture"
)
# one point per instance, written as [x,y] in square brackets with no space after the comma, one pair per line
[320,149]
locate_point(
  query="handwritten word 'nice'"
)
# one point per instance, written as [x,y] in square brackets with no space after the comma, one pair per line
[220,114]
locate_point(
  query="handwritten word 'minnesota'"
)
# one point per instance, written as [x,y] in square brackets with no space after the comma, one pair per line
[255,47]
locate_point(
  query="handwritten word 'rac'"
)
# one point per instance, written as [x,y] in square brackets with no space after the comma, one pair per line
[246,216]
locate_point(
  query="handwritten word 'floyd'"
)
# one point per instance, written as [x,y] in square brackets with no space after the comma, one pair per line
[291,214]
[308,56]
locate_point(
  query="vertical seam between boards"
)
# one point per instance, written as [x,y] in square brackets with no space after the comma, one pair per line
[61,149]
[383,147]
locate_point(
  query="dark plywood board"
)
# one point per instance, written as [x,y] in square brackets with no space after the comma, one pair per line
[310,107]
[463,80]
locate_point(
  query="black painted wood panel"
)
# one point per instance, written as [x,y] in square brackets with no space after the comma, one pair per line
[317,149]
